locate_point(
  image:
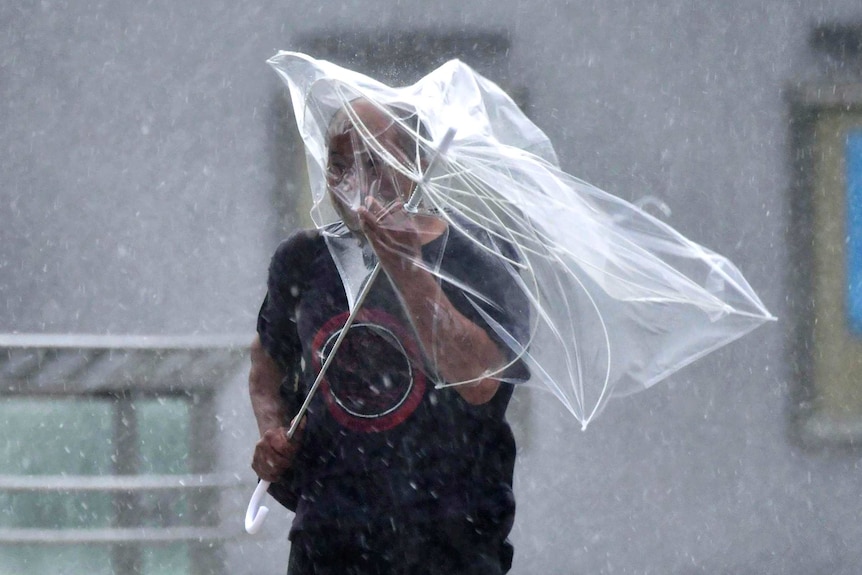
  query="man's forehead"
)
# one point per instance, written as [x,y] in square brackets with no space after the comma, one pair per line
[369,116]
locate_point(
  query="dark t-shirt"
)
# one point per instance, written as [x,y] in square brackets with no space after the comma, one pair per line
[382,443]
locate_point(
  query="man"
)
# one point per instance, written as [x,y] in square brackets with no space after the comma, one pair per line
[388,473]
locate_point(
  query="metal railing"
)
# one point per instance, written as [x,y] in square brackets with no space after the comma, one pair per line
[123,370]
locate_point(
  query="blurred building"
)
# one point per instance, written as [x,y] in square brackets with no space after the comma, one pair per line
[150,168]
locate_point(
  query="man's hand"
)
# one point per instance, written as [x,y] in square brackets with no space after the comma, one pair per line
[274,453]
[392,233]
[461,350]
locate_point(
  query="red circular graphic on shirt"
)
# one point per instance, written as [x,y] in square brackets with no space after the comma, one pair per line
[373,384]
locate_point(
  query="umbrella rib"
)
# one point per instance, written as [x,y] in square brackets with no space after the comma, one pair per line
[467,175]
[626,245]
[537,304]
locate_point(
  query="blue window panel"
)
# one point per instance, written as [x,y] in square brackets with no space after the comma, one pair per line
[854,231]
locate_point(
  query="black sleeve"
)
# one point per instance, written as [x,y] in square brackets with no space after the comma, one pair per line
[276,327]
[276,322]
[492,277]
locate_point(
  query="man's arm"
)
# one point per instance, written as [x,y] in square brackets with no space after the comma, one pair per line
[274,452]
[462,350]
[264,381]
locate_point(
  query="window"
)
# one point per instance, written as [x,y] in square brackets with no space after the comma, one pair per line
[826,236]
[108,455]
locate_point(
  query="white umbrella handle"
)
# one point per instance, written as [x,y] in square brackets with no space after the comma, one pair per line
[256,513]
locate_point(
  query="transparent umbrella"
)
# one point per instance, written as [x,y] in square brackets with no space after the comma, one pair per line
[608,301]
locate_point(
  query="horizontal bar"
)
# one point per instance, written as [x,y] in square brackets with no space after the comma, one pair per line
[63,389]
[87,341]
[826,95]
[820,429]
[115,535]
[42,483]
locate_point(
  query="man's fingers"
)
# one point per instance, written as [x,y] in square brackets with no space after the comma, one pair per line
[274,453]
[272,462]
[299,429]
[387,210]
[367,221]
[265,452]
[277,440]
[270,466]
[379,222]
[381,211]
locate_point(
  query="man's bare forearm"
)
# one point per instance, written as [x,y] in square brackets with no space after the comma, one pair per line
[264,381]
[461,350]
[274,453]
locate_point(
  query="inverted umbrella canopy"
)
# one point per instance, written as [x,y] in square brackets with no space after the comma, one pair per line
[612,299]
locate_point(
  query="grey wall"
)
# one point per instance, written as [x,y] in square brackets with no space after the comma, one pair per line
[137,190]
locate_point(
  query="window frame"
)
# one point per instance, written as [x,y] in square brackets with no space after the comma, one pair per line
[123,370]
[811,105]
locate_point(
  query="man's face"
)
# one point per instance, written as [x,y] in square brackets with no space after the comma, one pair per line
[355,171]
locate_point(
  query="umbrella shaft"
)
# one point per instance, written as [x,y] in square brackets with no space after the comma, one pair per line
[360,299]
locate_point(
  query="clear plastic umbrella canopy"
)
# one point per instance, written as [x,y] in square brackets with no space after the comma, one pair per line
[610,300]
